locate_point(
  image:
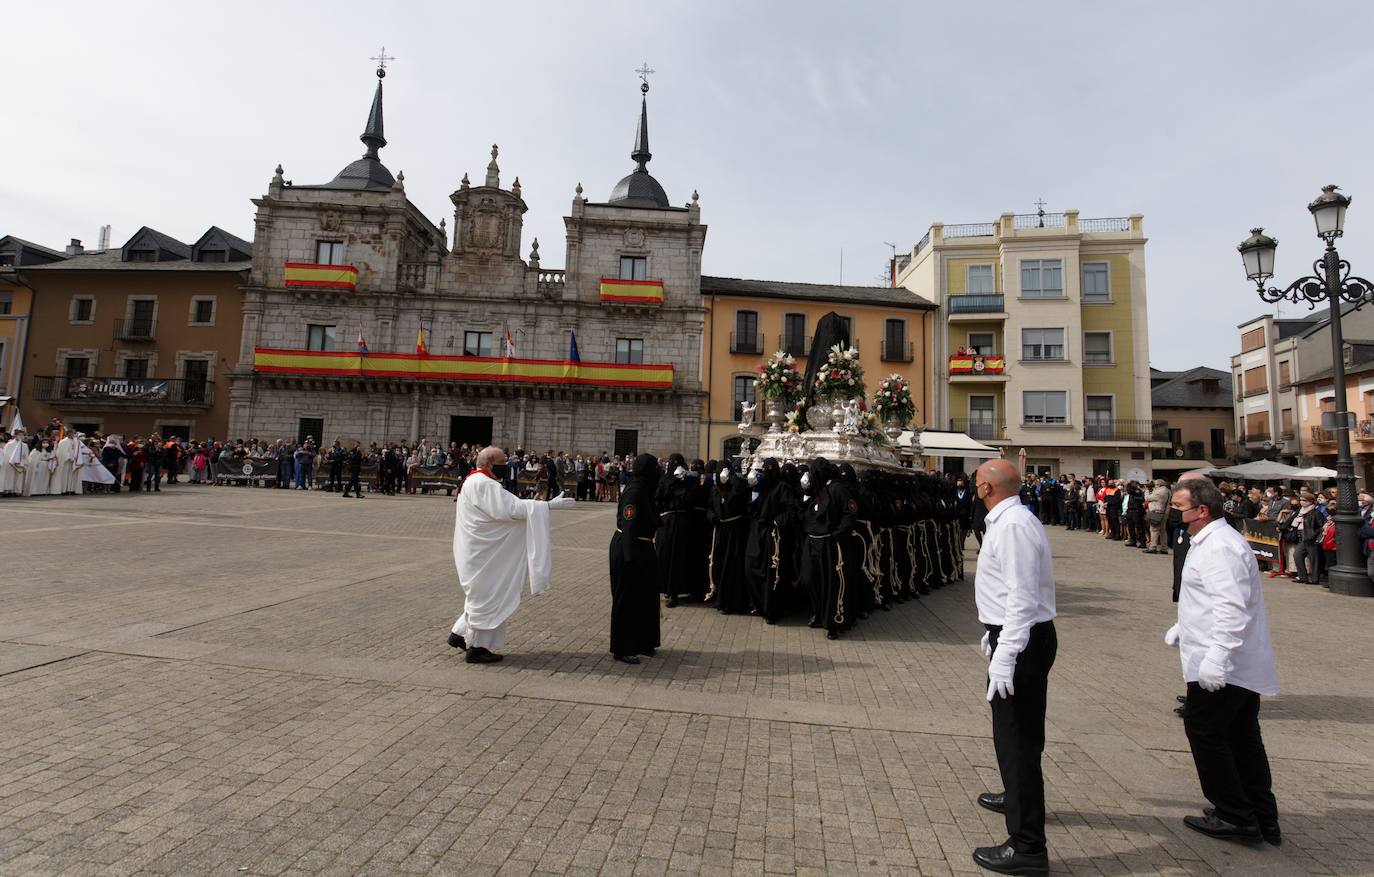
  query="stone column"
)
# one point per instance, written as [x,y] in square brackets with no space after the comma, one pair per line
[415,415]
[522,403]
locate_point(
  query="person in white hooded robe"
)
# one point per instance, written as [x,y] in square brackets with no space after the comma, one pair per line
[14,465]
[66,479]
[41,465]
[500,542]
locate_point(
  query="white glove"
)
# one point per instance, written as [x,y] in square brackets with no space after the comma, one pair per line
[1000,672]
[1210,675]
[1171,636]
[987,649]
[562,501]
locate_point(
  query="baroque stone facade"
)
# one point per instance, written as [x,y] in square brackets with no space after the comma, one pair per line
[409,277]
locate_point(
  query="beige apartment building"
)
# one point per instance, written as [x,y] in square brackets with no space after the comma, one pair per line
[1043,340]
[1276,354]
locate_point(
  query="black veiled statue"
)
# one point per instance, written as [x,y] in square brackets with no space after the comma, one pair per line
[832,329]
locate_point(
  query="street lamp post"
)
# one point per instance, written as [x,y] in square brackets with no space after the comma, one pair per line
[1331,282]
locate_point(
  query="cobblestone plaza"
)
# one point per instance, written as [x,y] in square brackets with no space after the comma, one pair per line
[245,681]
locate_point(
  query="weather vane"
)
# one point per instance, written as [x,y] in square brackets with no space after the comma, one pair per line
[644,72]
[1040,210]
[381,60]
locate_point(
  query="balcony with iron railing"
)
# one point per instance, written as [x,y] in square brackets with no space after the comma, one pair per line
[1287,434]
[897,351]
[1127,430]
[1255,437]
[1364,430]
[138,329]
[746,343]
[108,392]
[982,429]
[977,303]
[1039,220]
[1323,436]
[1255,391]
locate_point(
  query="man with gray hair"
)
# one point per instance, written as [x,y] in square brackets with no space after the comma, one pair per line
[1222,636]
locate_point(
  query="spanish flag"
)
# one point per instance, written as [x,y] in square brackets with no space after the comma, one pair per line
[647,292]
[420,348]
[327,276]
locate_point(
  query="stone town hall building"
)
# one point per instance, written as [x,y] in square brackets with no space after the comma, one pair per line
[347,273]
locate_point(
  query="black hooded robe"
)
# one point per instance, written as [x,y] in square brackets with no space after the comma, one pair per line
[827,520]
[677,548]
[768,557]
[634,567]
[730,513]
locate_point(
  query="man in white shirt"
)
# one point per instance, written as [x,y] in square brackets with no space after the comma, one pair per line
[1014,592]
[1222,637]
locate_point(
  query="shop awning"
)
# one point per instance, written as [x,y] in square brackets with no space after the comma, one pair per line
[948,444]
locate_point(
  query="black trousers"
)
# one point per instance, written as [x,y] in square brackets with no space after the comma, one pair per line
[1018,735]
[353,485]
[1232,766]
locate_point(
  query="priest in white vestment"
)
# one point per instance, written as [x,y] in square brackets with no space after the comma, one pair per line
[500,542]
[14,465]
[41,465]
[88,466]
[65,479]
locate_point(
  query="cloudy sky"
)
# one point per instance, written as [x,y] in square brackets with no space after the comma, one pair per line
[809,129]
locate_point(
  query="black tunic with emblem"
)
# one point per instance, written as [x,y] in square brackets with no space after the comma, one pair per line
[634,568]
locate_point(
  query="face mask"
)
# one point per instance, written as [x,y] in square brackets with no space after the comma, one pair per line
[806,480]
[724,476]
[753,477]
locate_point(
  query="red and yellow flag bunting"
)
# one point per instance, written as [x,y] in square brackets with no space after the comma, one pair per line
[268,360]
[968,364]
[327,276]
[632,291]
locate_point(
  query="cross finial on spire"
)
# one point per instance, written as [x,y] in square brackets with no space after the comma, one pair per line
[381,58]
[644,72]
[1040,210]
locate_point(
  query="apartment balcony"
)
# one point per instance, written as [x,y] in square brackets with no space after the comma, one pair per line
[796,345]
[979,367]
[1288,435]
[981,429]
[1258,437]
[132,394]
[1153,431]
[1255,391]
[746,343]
[901,351]
[1323,436]
[977,306]
[1364,431]
[135,330]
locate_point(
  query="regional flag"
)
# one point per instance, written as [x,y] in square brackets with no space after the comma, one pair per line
[362,345]
[572,348]
[420,347]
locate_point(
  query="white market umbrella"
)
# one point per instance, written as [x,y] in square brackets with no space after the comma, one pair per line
[1314,472]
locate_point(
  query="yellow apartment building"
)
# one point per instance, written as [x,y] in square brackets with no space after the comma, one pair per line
[748,321]
[1042,340]
[1316,395]
[16,303]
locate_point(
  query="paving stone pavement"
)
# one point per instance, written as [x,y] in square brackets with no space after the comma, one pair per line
[242,681]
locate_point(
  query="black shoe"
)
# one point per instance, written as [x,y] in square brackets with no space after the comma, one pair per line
[457,642]
[671,601]
[994,801]
[814,622]
[626,659]
[479,655]
[1006,860]
[1178,711]
[1223,830]
[1268,830]
[649,653]
[1181,698]
[832,635]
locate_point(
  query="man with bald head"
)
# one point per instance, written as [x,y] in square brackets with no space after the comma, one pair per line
[1014,592]
[500,542]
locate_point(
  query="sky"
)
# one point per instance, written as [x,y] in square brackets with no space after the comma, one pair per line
[815,133]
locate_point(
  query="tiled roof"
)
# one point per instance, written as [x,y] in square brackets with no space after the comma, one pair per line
[885,296]
[1187,390]
[109,260]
